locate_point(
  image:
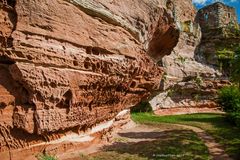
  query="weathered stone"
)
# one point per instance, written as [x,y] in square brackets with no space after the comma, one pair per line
[189,94]
[187,78]
[220,30]
[217,15]
[72,64]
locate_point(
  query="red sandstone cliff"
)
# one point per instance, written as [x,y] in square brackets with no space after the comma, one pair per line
[72,64]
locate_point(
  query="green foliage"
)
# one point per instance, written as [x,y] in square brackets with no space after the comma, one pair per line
[196,97]
[236,67]
[225,57]
[164,77]
[225,54]
[237,51]
[198,80]
[170,92]
[84,157]
[46,157]
[215,124]
[235,31]
[232,30]
[229,99]
[229,61]
[234,117]
[115,155]
[142,107]
[182,59]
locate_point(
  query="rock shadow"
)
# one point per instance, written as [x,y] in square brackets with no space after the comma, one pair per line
[11,92]
[170,144]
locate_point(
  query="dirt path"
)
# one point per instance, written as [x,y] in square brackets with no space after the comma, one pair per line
[140,134]
[215,149]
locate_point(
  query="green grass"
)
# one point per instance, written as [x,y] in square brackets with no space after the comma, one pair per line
[163,143]
[172,144]
[115,156]
[215,124]
[46,157]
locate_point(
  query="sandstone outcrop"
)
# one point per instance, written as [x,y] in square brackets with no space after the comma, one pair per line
[71,64]
[189,82]
[193,93]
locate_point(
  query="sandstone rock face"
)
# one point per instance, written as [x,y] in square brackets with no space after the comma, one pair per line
[194,94]
[68,65]
[188,80]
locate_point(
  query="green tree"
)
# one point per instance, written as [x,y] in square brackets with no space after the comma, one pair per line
[225,57]
[236,67]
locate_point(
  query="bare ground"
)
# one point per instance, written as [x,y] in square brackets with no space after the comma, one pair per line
[145,134]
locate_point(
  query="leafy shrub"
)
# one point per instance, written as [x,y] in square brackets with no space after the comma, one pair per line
[198,80]
[46,157]
[225,57]
[142,107]
[229,99]
[236,67]
[225,54]
[234,117]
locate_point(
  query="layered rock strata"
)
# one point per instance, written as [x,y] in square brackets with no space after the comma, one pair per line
[69,65]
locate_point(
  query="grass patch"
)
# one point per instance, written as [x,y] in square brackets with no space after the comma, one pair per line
[46,157]
[115,156]
[164,142]
[167,145]
[215,124]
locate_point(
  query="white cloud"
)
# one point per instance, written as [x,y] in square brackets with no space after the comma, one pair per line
[199,1]
[202,2]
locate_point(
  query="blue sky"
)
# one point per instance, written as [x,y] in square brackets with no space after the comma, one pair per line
[233,3]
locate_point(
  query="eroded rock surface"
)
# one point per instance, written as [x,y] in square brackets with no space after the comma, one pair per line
[68,65]
[188,81]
